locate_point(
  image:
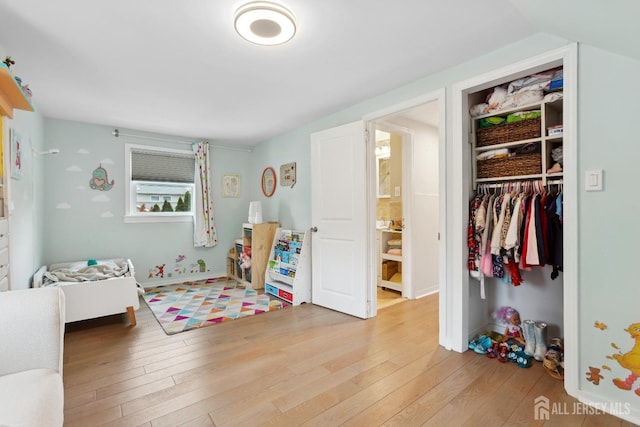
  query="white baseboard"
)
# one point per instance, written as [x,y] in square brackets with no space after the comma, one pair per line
[432,291]
[488,327]
[179,279]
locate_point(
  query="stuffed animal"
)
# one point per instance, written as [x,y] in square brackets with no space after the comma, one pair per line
[245,261]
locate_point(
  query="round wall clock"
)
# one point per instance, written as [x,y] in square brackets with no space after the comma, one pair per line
[268,181]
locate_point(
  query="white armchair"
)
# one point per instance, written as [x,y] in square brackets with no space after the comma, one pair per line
[31,348]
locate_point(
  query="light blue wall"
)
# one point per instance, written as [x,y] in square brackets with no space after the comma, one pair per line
[25,203]
[291,206]
[609,226]
[80,223]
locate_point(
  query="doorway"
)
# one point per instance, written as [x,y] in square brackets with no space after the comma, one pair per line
[406,203]
[343,216]
[391,288]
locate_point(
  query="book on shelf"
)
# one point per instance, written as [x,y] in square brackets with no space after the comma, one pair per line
[281,269]
[293,259]
[285,234]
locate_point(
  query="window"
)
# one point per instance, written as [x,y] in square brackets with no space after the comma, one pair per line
[161,184]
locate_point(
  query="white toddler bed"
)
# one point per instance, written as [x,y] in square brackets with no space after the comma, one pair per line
[101,289]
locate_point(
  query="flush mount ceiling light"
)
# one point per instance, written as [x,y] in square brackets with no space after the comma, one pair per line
[265,23]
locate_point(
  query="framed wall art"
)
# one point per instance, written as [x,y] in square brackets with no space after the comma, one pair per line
[231,185]
[288,175]
[16,155]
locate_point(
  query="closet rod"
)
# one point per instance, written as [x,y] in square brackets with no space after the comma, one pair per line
[506,183]
[117,134]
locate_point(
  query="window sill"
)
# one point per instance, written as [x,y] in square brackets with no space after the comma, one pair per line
[136,219]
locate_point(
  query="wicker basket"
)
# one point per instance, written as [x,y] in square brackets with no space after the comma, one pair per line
[520,164]
[509,132]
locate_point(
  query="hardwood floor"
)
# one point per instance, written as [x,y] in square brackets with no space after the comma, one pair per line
[303,365]
[388,297]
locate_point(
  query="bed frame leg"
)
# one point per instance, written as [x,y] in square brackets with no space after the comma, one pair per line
[132,315]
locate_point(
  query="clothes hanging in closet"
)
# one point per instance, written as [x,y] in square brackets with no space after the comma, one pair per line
[513,231]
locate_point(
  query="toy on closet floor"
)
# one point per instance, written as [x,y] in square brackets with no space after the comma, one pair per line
[522,340]
[511,317]
[554,359]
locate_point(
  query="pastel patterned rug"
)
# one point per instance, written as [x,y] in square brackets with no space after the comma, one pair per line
[190,305]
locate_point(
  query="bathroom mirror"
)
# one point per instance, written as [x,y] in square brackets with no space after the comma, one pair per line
[384,177]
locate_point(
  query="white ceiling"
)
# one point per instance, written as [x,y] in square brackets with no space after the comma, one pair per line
[179,68]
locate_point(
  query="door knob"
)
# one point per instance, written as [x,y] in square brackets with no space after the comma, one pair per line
[314,229]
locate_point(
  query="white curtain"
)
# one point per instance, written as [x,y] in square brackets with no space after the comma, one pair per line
[204,230]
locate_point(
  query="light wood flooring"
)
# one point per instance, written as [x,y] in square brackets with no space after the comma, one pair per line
[388,297]
[303,365]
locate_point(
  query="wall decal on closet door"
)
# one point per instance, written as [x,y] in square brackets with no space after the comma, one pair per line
[619,364]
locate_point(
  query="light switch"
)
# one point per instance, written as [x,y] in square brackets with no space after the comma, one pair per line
[397,191]
[593,180]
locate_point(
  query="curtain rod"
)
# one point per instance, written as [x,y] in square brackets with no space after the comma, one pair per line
[117,134]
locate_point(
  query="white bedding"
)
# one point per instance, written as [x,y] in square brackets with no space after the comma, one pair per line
[81,272]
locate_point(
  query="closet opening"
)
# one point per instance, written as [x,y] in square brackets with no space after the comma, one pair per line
[517,160]
[406,251]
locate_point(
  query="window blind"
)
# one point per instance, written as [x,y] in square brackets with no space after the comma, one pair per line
[161,167]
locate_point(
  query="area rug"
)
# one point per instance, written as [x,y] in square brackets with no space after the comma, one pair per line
[190,305]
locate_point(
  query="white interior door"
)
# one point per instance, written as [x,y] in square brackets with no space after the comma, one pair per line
[339,216]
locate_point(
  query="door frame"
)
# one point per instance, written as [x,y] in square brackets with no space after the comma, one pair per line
[460,188]
[439,96]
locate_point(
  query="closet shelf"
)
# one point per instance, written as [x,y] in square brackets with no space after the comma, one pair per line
[389,265]
[507,144]
[534,166]
[510,178]
[385,255]
[534,106]
[11,95]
